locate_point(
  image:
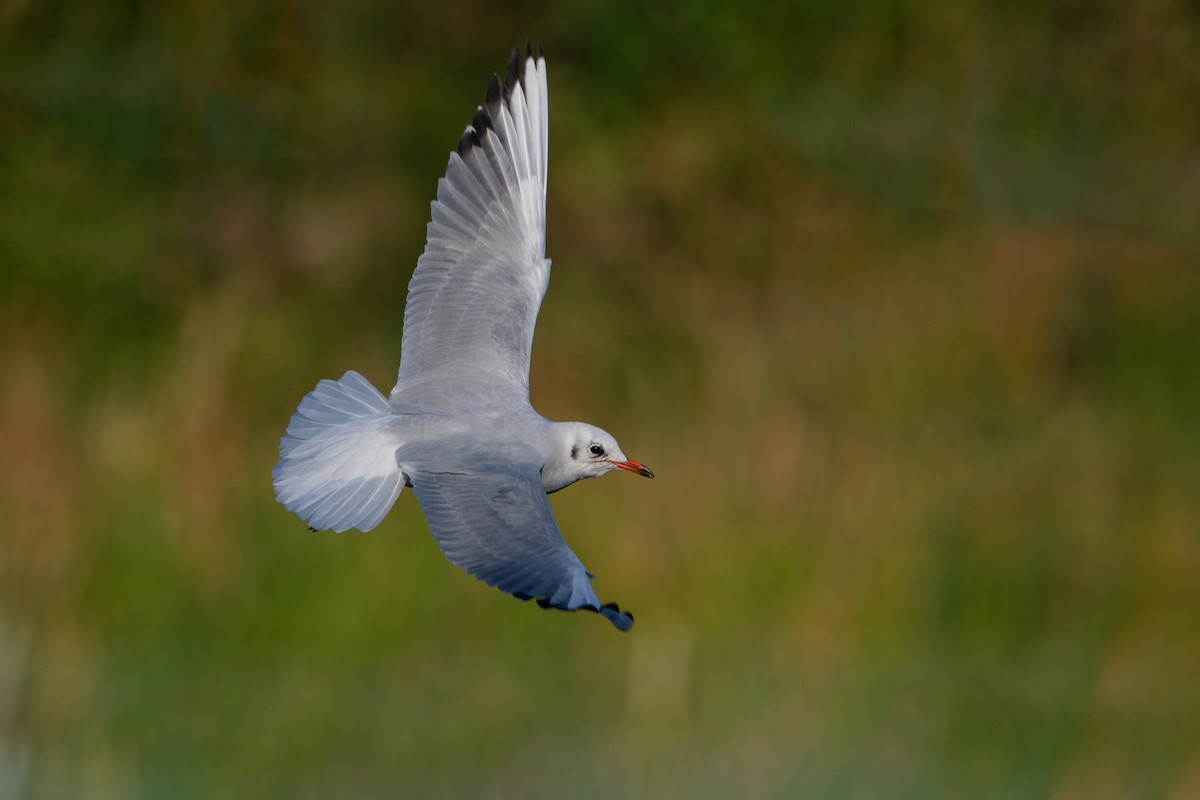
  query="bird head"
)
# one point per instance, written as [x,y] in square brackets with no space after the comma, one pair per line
[585,451]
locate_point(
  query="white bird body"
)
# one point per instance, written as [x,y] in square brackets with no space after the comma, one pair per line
[458,426]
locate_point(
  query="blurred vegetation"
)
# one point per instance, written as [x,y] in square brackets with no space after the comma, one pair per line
[901,301]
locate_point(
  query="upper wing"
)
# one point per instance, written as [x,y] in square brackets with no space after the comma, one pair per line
[474,297]
[495,522]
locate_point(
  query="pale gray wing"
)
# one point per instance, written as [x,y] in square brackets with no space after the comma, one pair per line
[495,522]
[474,297]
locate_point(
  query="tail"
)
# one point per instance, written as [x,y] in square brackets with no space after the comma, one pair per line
[337,467]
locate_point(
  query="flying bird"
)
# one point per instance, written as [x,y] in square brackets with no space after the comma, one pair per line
[458,426]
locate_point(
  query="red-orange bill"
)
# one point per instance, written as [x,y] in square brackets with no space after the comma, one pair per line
[633,466]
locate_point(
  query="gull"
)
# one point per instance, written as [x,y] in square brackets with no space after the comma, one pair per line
[458,426]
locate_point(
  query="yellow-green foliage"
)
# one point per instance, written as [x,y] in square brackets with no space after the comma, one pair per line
[902,305]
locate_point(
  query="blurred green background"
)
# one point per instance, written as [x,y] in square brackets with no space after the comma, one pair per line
[900,300]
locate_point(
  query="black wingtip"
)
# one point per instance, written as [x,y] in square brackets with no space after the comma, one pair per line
[468,140]
[497,89]
[512,75]
[494,91]
[621,620]
[482,120]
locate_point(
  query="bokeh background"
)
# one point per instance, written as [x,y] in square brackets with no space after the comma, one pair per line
[900,300]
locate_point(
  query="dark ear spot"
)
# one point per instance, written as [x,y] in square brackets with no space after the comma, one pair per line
[575,451]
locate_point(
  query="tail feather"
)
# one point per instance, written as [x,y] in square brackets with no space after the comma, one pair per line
[337,467]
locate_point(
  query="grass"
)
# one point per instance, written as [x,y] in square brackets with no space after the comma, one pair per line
[899,304]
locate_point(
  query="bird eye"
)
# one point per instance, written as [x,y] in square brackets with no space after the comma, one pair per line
[596,450]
